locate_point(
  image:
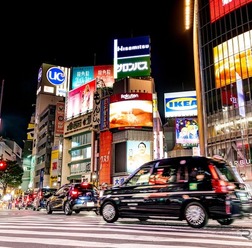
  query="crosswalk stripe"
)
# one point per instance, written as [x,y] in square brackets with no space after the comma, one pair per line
[98,234]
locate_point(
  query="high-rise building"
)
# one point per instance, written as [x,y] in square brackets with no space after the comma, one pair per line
[223,70]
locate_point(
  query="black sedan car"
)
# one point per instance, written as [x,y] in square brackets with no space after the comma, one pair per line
[74,197]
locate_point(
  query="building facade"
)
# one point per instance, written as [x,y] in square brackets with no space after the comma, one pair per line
[223,71]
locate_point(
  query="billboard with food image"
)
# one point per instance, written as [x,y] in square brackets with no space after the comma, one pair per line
[131,110]
[233,60]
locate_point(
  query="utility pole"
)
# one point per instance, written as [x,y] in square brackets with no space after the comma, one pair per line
[1,100]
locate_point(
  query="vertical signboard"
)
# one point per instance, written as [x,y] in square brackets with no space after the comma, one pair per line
[105,157]
[59,118]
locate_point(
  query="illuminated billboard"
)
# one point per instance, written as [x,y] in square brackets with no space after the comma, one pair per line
[180,104]
[132,57]
[138,153]
[233,59]
[187,131]
[84,74]
[106,74]
[131,110]
[219,8]
[53,80]
[80,100]
[81,75]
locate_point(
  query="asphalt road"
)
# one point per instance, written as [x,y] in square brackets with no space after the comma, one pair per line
[36,229]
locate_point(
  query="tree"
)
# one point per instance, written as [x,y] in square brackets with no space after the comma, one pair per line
[12,176]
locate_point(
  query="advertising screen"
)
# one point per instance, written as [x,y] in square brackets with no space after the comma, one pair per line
[132,57]
[132,110]
[219,8]
[138,153]
[180,104]
[81,75]
[104,73]
[187,131]
[233,59]
[80,100]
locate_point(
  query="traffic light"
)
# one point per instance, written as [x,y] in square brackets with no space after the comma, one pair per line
[3,165]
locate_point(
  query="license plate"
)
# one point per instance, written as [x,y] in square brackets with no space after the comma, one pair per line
[90,204]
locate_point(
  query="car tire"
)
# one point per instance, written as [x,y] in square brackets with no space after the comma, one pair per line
[196,215]
[77,211]
[226,222]
[67,209]
[48,209]
[109,212]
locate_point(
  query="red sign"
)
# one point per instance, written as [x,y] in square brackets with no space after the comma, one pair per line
[219,8]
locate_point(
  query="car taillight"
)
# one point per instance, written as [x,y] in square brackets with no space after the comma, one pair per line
[74,193]
[228,205]
[219,186]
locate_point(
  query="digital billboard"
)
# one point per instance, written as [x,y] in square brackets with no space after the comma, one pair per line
[233,59]
[219,8]
[138,153]
[180,104]
[81,75]
[187,131]
[84,74]
[131,110]
[132,57]
[104,73]
[80,100]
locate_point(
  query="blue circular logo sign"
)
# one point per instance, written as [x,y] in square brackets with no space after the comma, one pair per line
[55,76]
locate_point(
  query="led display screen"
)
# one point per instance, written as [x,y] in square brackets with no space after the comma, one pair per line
[219,8]
[187,131]
[233,59]
[132,110]
[80,100]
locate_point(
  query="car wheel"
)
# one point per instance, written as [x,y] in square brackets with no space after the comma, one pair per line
[48,209]
[67,209]
[196,215]
[109,212]
[227,221]
[77,211]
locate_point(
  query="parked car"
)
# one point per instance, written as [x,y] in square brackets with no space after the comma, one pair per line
[191,188]
[41,197]
[74,197]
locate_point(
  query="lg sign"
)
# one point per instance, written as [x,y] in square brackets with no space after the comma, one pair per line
[55,76]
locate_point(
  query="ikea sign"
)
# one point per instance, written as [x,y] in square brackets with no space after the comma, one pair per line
[180,104]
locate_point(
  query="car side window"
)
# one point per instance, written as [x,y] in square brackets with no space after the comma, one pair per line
[164,174]
[141,177]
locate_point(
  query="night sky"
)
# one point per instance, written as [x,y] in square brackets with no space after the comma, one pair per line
[82,35]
